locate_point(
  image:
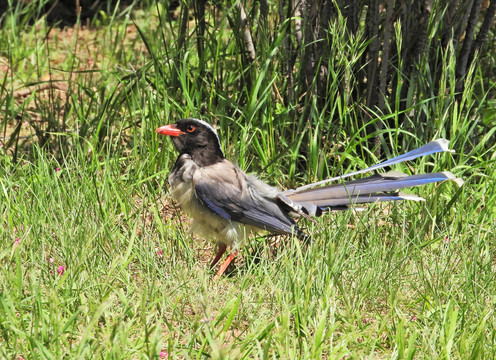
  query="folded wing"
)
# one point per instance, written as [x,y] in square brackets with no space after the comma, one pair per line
[225,191]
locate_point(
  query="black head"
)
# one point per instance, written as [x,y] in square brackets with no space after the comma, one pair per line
[195,138]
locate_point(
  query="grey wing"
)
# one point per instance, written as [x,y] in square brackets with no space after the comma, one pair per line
[225,191]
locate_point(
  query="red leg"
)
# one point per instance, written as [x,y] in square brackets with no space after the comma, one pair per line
[226,263]
[221,249]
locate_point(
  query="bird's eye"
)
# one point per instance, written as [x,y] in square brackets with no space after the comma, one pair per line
[191,128]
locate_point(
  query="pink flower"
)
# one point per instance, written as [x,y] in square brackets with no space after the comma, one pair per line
[61,270]
[205,320]
[414,318]
[17,241]
[57,169]
[51,260]
[159,252]
[164,354]
[447,239]
[91,62]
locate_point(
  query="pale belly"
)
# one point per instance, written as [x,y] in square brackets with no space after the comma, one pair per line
[206,222]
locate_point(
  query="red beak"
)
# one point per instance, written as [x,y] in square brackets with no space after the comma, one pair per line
[170,130]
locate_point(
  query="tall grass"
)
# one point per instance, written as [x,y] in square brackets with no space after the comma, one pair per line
[97,262]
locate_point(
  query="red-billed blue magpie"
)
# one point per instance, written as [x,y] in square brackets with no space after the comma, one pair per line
[227,205]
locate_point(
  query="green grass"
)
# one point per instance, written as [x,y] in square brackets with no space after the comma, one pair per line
[403,280]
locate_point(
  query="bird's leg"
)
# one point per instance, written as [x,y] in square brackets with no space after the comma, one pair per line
[221,249]
[226,263]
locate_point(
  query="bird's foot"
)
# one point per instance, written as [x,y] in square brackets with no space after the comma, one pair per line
[226,263]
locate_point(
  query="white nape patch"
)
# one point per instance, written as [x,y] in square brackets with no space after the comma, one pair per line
[211,128]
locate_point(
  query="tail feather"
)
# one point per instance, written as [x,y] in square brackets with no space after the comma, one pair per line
[364,199]
[378,187]
[312,199]
[377,183]
[440,145]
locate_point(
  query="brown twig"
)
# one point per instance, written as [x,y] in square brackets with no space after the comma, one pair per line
[245,32]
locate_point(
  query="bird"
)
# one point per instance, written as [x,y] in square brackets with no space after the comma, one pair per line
[227,205]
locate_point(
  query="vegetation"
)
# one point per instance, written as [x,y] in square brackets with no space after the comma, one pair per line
[97,262]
